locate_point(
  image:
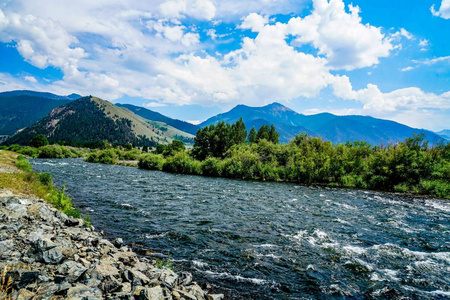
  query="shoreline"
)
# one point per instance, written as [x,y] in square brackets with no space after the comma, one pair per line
[47,254]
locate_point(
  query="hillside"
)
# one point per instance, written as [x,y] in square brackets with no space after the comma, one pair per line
[337,129]
[20,111]
[444,133]
[155,116]
[90,120]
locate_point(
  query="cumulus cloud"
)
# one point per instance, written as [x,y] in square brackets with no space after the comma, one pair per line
[340,36]
[30,78]
[443,11]
[254,22]
[198,9]
[423,44]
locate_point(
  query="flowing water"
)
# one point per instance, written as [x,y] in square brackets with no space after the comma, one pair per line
[256,240]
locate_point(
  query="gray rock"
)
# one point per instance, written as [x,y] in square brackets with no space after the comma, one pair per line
[17,210]
[154,293]
[103,270]
[23,277]
[215,297]
[72,270]
[169,278]
[48,252]
[185,278]
[83,292]
[118,242]
[41,211]
[6,247]
[144,280]
[72,222]
[186,295]
[197,291]
[110,285]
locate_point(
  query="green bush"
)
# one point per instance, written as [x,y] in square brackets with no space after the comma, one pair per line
[182,163]
[23,164]
[38,141]
[55,151]
[151,161]
[45,178]
[29,151]
[212,167]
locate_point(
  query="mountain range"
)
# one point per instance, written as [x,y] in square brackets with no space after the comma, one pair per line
[337,129]
[89,119]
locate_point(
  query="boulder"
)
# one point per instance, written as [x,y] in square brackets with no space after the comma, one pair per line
[72,270]
[169,278]
[103,270]
[48,252]
[82,292]
[215,297]
[154,293]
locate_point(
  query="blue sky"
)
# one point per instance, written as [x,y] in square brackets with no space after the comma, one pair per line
[191,59]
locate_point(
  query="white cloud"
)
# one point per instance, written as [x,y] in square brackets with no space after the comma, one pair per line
[30,78]
[198,9]
[424,45]
[340,36]
[254,22]
[432,61]
[402,33]
[443,11]
[154,104]
[406,69]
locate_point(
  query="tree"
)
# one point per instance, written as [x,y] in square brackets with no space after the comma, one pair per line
[38,141]
[252,135]
[238,132]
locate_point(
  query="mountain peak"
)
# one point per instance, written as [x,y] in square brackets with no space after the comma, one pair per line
[278,106]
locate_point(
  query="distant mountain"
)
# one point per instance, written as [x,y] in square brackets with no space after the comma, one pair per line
[444,133]
[20,111]
[155,116]
[39,95]
[337,129]
[90,120]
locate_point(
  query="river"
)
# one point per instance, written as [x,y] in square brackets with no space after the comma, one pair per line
[261,240]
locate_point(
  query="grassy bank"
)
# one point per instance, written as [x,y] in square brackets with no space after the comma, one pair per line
[17,176]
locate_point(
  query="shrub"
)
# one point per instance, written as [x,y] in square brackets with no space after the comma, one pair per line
[23,164]
[38,141]
[182,163]
[45,178]
[151,161]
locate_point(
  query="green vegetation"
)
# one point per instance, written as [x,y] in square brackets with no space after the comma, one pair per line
[38,141]
[112,155]
[220,150]
[48,151]
[24,180]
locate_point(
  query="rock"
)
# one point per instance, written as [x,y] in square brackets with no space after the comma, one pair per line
[103,270]
[118,242]
[197,291]
[169,278]
[47,290]
[42,211]
[144,280]
[185,294]
[23,277]
[84,292]
[48,252]
[154,293]
[110,285]
[25,294]
[185,278]
[176,295]
[17,211]
[72,222]
[215,297]
[72,270]
[6,247]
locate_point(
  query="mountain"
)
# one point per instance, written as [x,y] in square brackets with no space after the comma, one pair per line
[39,95]
[19,111]
[155,116]
[444,133]
[337,129]
[89,120]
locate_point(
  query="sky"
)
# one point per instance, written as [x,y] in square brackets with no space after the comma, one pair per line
[192,59]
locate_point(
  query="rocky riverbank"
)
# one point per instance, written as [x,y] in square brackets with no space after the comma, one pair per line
[46,255]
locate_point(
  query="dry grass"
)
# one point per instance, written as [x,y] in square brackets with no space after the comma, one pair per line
[5,285]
